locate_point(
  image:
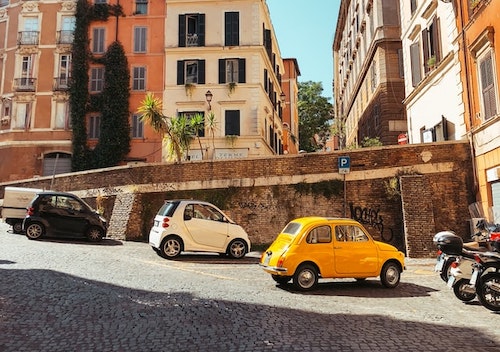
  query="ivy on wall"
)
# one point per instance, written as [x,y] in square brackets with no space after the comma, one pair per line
[112,103]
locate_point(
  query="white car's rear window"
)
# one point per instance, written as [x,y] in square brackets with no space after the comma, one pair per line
[168,209]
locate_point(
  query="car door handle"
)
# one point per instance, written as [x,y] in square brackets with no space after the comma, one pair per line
[337,247]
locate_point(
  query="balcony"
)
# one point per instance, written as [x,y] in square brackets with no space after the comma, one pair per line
[61,83]
[28,38]
[25,84]
[65,37]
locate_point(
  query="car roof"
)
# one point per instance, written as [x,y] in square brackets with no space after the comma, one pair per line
[54,193]
[306,220]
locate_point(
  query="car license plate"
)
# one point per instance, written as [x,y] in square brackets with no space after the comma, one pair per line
[473,278]
[268,258]
[157,223]
[451,281]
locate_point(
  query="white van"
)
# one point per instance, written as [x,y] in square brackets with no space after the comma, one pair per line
[15,202]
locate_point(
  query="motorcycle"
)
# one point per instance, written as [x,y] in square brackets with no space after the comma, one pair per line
[485,279]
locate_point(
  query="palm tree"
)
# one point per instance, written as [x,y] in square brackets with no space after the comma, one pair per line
[151,113]
[211,126]
[197,124]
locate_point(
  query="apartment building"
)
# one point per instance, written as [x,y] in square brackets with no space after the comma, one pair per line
[433,99]
[478,38]
[36,56]
[289,83]
[368,72]
[223,59]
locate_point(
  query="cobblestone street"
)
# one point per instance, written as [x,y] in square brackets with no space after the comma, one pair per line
[58,295]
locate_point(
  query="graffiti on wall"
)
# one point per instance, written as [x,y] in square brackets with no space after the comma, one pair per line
[371,217]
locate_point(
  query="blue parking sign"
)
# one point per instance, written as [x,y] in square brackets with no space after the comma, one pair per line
[344,164]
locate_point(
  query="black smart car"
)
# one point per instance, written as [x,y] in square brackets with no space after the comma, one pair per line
[57,214]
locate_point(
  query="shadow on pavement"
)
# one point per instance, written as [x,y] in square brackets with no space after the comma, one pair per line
[44,310]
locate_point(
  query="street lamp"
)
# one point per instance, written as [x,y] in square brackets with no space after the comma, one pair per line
[208,97]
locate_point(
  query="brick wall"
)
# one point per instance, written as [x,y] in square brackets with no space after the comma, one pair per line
[431,192]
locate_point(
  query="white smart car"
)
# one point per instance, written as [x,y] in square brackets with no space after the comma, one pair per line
[196,226]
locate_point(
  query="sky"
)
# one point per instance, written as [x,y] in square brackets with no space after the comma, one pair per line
[305,30]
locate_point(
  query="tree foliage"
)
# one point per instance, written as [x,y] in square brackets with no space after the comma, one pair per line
[315,115]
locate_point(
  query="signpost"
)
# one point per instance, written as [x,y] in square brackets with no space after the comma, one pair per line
[344,168]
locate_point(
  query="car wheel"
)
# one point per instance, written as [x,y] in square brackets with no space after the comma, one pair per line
[282,280]
[390,275]
[35,230]
[237,249]
[464,291]
[171,247]
[17,227]
[95,234]
[305,277]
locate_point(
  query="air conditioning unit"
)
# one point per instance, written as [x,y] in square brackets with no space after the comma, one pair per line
[5,120]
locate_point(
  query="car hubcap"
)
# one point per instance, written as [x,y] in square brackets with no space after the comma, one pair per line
[392,275]
[34,231]
[306,279]
[172,248]
[237,249]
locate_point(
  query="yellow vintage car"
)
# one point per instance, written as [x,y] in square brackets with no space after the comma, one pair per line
[310,248]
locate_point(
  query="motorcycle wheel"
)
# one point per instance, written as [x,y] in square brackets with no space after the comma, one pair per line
[488,291]
[463,290]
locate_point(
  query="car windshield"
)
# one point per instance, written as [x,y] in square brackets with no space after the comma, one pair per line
[292,228]
[168,209]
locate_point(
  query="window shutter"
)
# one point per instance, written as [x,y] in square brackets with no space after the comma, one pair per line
[416,75]
[201,29]
[425,43]
[222,71]
[182,30]
[488,87]
[265,80]
[180,72]
[232,122]
[201,71]
[436,38]
[231,27]
[241,71]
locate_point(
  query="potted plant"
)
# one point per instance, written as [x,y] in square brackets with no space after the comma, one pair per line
[189,87]
[431,62]
[231,86]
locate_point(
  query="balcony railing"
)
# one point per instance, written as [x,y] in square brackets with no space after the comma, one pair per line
[25,84]
[65,37]
[28,38]
[192,40]
[61,83]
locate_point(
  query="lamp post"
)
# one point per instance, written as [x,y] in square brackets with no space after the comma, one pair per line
[208,97]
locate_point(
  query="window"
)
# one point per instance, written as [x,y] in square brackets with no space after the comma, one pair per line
[232,123]
[191,71]
[98,40]
[96,79]
[413,6]
[232,28]
[191,30]
[26,70]
[203,212]
[416,72]
[487,86]
[137,126]
[320,234]
[4,3]
[141,7]
[61,120]
[64,71]
[140,35]
[431,45]
[67,29]
[23,113]
[139,78]
[94,127]
[232,71]
[350,233]
[29,34]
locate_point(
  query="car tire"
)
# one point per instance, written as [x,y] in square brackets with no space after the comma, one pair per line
[237,249]
[35,230]
[390,275]
[305,277]
[95,234]
[17,227]
[281,280]
[461,291]
[171,247]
